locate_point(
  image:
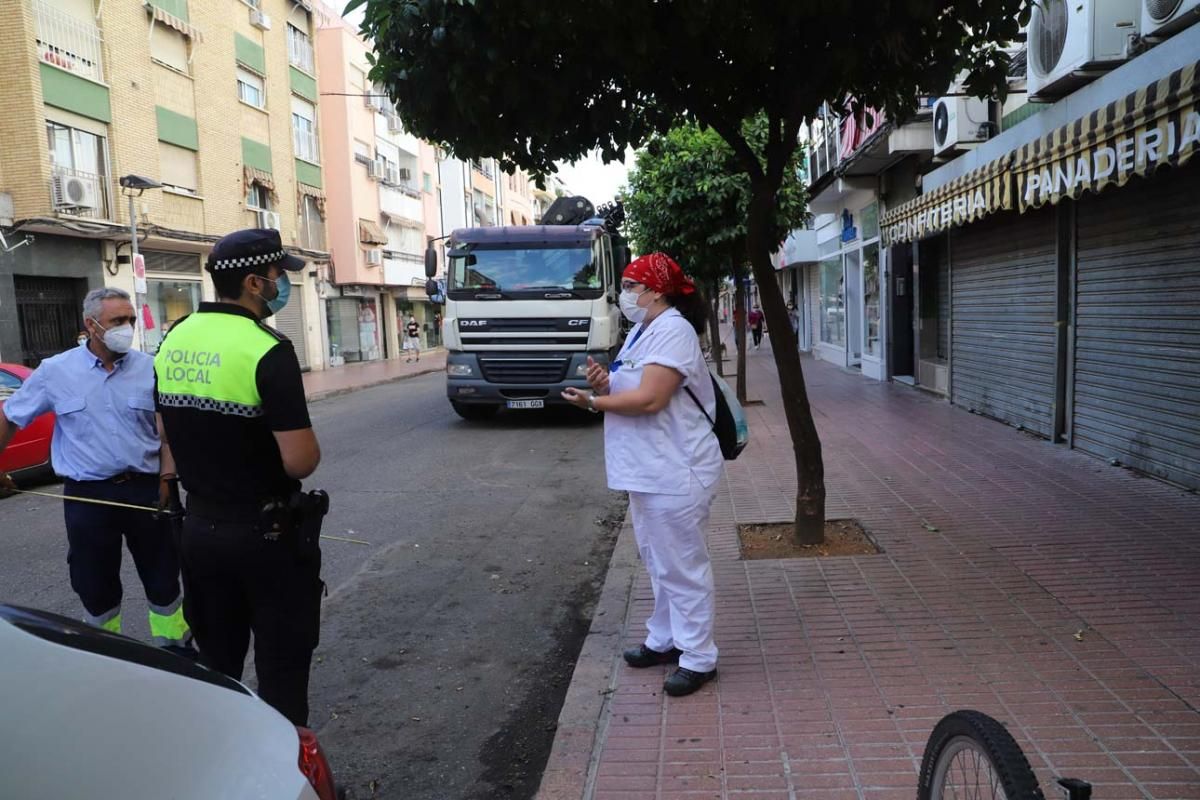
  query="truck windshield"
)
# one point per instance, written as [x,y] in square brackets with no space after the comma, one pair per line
[532,269]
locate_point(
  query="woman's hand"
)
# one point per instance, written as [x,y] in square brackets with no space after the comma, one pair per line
[576,398]
[597,376]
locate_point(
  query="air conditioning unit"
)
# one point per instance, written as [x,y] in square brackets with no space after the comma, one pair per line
[268,219]
[1163,18]
[394,123]
[393,174]
[72,191]
[959,121]
[376,170]
[374,257]
[260,20]
[1073,41]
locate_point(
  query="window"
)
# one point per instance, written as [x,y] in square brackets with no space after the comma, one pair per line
[83,155]
[870,221]
[427,182]
[300,49]
[177,168]
[304,130]
[251,89]
[870,265]
[312,225]
[169,47]
[169,301]
[833,310]
[258,197]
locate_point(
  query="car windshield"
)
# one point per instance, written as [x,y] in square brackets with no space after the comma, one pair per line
[566,268]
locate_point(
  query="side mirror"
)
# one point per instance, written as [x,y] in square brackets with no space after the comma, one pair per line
[431,264]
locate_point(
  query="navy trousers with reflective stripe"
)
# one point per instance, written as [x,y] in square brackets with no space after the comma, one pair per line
[94,535]
[235,583]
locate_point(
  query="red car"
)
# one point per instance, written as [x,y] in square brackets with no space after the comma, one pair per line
[29,450]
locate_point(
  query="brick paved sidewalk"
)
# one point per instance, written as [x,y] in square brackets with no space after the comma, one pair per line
[350,377]
[1030,582]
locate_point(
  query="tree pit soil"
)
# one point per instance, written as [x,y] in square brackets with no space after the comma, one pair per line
[843,537]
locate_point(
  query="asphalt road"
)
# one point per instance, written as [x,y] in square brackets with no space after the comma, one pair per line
[447,643]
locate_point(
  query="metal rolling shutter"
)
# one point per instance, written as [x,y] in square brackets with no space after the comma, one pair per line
[290,322]
[1137,327]
[1002,324]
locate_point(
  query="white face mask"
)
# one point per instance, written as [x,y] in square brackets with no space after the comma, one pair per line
[630,308]
[118,339]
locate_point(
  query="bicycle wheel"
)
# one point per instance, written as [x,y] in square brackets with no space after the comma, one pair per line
[970,756]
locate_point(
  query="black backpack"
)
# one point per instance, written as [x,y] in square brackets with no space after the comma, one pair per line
[725,425]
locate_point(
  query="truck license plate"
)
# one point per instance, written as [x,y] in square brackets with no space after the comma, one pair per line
[526,403]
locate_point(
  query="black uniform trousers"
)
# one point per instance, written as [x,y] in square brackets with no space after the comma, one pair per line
[94,534]
[235,583]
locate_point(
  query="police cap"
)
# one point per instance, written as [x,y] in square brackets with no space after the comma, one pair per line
[250,248]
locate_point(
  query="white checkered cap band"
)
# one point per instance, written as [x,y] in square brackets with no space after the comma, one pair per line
[248,261]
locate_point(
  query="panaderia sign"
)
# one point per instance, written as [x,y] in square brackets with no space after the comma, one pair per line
[965,199]
[1156,126]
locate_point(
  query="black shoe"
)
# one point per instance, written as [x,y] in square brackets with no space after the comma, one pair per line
[685,681]
[642,656]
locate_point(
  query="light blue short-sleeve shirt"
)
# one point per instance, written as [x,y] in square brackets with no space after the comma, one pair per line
[104,421]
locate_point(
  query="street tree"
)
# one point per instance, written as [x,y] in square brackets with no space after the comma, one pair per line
[536,82]
[687,196]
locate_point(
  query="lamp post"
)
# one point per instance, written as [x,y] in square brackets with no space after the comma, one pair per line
[134,185]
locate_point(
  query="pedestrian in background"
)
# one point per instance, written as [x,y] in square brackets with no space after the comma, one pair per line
[756,325]
[412,341]
[235,423]
[660,447]
[106,447]
[794,318]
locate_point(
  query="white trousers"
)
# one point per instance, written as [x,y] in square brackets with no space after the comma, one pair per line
[670,536]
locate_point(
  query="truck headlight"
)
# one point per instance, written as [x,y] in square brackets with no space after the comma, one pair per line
[461,370]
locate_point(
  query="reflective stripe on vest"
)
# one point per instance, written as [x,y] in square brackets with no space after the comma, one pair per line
[210,361]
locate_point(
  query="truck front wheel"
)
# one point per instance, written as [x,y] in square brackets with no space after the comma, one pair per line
[474,411]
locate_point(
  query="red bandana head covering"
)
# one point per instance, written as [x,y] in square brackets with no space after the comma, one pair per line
[659,272]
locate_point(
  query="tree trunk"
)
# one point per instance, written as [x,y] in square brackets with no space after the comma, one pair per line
[806,446]
[739,326]
[714,325]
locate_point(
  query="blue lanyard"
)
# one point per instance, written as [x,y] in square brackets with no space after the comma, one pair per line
[616,365]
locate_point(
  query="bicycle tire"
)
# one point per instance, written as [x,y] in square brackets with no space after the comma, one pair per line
[985,738]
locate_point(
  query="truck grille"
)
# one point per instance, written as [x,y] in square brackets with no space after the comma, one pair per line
[533,369]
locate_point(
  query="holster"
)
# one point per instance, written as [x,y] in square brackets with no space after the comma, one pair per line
[296,520]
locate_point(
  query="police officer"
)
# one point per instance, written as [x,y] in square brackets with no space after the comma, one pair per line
[106,448]
[236,429]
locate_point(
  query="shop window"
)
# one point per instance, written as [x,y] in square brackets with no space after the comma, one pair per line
[169,301]
[870,267]
[177,168]
[169,47]
[870,221]
[833,307]
[251,89]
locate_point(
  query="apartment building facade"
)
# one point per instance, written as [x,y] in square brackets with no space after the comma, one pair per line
[100,91]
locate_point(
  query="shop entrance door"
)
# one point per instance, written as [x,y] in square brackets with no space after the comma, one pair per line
[49,312]
[901,303]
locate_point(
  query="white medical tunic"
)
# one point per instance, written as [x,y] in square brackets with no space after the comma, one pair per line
[660,453]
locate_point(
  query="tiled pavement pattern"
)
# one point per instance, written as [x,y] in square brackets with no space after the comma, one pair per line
[1038,585]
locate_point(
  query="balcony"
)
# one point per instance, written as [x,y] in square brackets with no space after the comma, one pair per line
[401,204]
[300,51]
[79,194]
[68,42]
[307,146]
[403,269]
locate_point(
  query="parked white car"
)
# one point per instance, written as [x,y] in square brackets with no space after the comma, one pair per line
[90,714]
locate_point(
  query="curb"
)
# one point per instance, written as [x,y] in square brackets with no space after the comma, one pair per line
[583,722]
[315,396]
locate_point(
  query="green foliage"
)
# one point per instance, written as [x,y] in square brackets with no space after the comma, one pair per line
[688,197]
[535,82]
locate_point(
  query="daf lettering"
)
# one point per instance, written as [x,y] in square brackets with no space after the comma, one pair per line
[472,323]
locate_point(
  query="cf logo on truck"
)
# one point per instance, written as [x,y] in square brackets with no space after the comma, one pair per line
[472,323]
[577,323]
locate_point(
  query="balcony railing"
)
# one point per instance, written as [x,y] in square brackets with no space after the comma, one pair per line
[69,42]
[824,145]
[308,147]
[80,194]
[300,51]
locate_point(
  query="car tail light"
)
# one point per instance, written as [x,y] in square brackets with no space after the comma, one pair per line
[314,766]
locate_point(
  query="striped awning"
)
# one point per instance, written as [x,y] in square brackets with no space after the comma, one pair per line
[172,21]
[370,233]
[965,199]
[1155,126]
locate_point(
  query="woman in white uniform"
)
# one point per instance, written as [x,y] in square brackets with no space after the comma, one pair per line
[660,447]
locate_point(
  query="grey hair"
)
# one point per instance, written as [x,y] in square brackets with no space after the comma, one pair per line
[93,304]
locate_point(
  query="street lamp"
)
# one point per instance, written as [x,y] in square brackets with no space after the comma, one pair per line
[134,185]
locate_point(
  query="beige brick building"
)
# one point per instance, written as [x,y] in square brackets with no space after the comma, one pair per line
[215,100]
